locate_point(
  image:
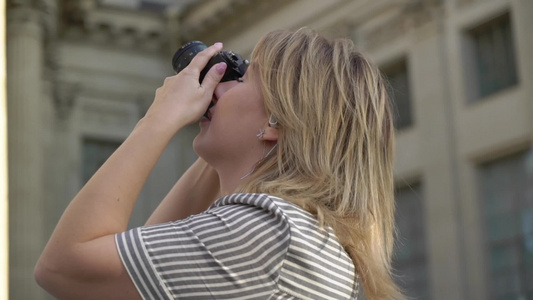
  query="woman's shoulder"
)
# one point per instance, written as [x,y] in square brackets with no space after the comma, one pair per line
[303,226]
[254,199]
[269,203]
[261,200]
[314,254]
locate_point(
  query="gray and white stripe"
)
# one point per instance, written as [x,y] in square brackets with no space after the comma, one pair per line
[246,246]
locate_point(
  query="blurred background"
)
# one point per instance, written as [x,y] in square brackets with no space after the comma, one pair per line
[80,74]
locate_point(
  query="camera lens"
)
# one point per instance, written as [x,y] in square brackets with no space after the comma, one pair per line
[185,54]
[236,66]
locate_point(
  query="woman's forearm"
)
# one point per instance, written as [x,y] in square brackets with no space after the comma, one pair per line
[104,205]
[194,192]
[80,260]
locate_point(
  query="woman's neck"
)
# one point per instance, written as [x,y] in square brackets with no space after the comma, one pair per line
[232,175]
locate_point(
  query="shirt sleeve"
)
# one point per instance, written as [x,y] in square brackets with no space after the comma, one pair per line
[228,252]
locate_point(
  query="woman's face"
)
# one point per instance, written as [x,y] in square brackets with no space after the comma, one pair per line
[235,120]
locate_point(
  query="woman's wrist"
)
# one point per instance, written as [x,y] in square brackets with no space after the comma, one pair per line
[159,128]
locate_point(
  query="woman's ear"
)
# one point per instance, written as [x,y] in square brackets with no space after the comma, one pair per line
[270,135]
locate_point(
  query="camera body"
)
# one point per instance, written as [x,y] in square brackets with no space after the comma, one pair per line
[236,65]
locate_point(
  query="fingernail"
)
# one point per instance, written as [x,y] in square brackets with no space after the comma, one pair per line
[221,67]
[218,44]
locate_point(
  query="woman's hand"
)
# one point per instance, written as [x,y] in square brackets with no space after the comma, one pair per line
[182,100]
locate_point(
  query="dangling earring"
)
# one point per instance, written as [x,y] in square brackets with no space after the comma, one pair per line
[261,133]
[261,160]
[272,122]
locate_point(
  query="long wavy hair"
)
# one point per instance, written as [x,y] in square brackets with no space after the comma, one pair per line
[335,147]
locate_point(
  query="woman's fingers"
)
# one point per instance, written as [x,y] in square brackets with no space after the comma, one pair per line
[182,99]
[199,62]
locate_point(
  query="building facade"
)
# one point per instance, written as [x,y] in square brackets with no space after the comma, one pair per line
[81,74]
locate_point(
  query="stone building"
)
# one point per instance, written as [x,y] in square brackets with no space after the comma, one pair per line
[81,73]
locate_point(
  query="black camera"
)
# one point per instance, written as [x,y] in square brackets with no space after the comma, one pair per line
[236,65]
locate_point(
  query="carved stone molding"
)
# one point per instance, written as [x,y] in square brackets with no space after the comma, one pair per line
[462,3]
[214,19]
[100,117]
[10,4]
[64,96]
[114,27]
[412,15]
[73,13]
[23,12]
[340,29]
[40,18]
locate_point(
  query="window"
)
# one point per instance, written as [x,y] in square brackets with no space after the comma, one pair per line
[95,153]
[409,258]
[493,57]
[507,197]
[398,79]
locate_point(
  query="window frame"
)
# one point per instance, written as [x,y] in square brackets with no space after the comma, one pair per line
[473,89]
[388,70]
[487,244]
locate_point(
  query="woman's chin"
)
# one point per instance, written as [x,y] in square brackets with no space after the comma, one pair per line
[196,143]
[199,144]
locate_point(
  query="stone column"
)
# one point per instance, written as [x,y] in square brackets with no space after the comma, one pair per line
[438,153]
[59,157]
[24,95]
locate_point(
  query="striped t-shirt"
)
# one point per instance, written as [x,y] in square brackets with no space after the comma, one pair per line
[245,246]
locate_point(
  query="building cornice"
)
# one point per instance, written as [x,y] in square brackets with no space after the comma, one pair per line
[402,20]
[113,27]
[216,20]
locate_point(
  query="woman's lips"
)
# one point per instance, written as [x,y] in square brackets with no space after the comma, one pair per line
[204,121]
[207,116]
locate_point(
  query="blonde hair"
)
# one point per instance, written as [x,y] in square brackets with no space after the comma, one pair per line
[335,147]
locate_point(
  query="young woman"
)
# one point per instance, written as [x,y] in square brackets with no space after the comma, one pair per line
[291,198]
